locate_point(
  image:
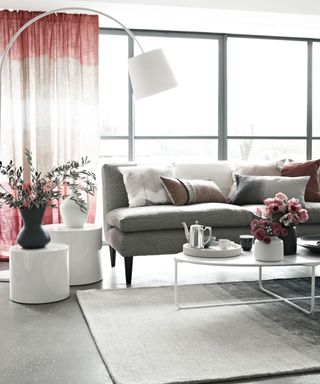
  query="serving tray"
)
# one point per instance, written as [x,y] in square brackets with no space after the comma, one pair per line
[311,242]
[213,251]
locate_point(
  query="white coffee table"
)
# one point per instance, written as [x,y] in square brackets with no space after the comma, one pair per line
[84,251]
[246,259]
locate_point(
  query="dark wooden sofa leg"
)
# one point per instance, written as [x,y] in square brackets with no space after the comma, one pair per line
[128,269]
[112,256]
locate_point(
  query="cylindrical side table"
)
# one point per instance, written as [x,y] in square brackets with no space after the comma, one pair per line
[39,276]
[84,251]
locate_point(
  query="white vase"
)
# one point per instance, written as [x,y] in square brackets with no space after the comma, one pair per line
[268,252]
[71,214]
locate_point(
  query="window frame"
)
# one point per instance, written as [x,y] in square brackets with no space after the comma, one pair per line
[222,136]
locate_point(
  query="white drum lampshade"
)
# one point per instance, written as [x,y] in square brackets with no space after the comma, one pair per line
[150,73]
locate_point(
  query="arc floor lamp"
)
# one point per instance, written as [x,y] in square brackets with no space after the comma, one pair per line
[149,72]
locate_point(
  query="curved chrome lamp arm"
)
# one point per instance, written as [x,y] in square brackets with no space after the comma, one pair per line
[33,20]
[149,72]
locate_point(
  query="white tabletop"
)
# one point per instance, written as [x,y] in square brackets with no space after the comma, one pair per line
[51,247]
[247,259]
[62,228]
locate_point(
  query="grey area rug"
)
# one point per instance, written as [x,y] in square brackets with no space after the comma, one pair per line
[143,339]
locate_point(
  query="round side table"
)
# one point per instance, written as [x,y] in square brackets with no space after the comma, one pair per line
[39,276]
[84,251]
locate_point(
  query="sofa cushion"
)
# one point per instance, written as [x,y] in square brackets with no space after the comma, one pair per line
[313,209]
[308,168]
[264,168]
[143,184]
[151,218]
[267,168]
[182,191]
[255,189]
[219,172]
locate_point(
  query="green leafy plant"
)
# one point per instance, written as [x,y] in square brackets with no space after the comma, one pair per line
[44,190]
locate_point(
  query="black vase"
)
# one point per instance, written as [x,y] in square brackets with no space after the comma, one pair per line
[290,241]
[32,234]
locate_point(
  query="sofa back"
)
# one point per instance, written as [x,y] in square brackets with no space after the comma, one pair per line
[220,172]
[115,194]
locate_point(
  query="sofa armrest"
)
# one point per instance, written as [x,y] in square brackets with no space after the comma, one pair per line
[114,194]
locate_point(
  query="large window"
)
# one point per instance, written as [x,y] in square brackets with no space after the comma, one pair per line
[316,100]
[113,95]
[191,109]
[239,97]
[267,96]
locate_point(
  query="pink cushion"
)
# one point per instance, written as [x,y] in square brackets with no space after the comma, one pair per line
[183,192]
[308,168]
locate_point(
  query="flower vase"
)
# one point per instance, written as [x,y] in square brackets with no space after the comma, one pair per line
[290,241]
[71,214]
[32,235]
[268,252]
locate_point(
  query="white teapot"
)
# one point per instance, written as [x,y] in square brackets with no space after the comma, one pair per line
[195,235]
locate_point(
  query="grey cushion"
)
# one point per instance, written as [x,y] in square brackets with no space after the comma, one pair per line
[170,217]
[255,189]
[313,212]
[264,168]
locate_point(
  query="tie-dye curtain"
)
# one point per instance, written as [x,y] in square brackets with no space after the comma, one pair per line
[49,98]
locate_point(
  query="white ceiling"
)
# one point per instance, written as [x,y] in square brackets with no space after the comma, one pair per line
[307,7]
[270,17]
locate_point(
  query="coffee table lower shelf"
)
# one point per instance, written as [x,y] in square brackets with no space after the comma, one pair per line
[247,260]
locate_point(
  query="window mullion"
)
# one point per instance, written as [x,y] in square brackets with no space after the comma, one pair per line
[131,120]
[309,102]
[222,100]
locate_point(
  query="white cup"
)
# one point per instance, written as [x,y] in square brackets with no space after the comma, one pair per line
[224,243]
[211,242]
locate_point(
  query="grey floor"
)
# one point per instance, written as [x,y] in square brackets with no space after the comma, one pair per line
[51,344]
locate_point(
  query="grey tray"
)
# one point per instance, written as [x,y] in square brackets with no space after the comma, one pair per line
[310,242]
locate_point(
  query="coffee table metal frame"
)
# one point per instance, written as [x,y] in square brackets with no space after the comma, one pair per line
[246,259]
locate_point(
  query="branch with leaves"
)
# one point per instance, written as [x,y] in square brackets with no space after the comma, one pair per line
[45,190]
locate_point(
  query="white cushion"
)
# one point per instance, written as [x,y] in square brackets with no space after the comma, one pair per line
[144,186]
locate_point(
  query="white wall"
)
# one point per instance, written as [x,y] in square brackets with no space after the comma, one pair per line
[271,17]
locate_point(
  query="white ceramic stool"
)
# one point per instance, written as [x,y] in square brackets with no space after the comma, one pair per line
[39,276]
[84,251]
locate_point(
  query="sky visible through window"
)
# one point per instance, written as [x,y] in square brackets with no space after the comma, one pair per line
[266,96]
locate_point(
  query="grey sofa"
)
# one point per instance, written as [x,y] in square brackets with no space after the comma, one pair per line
[156,230]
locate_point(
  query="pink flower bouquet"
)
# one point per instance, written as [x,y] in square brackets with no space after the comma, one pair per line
[278,213]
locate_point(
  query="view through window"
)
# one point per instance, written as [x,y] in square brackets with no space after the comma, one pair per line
[263,113]
[267,97]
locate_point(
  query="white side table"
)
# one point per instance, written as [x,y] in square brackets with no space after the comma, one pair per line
[84,251]
[39,276]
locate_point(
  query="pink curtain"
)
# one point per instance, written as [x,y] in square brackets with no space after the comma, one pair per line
[49,99]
